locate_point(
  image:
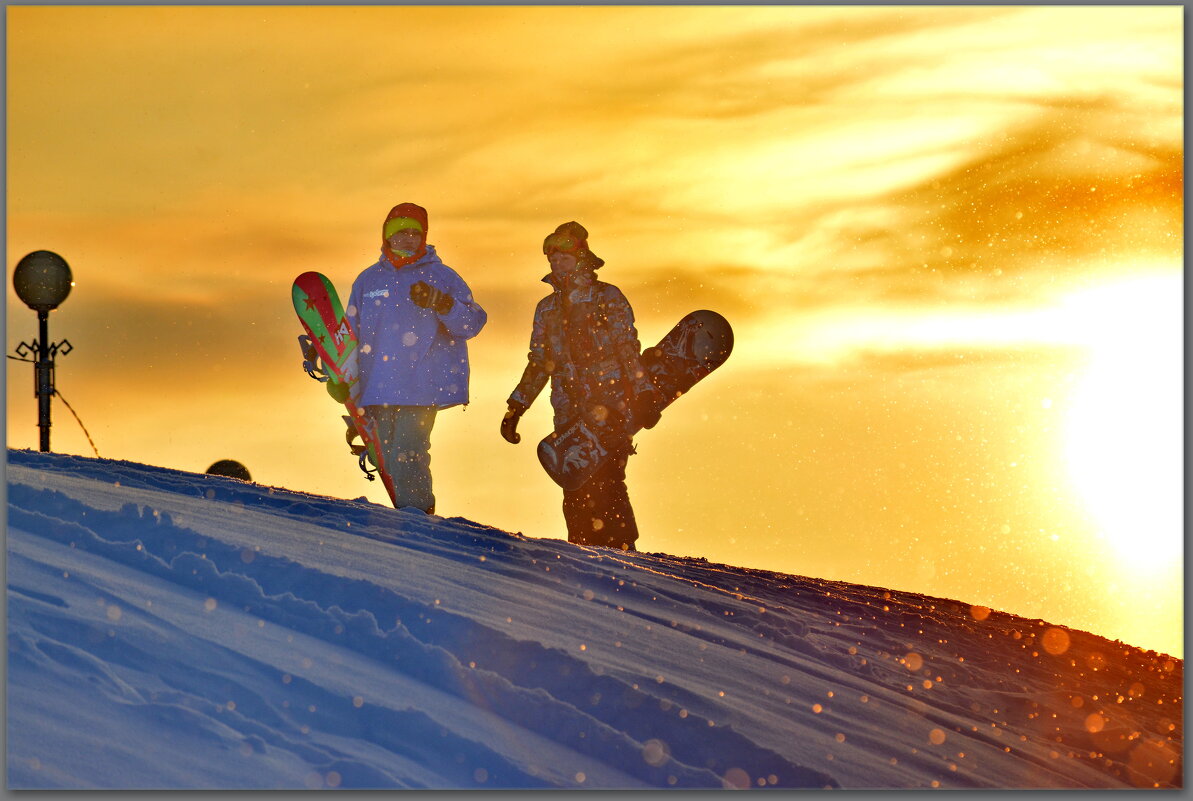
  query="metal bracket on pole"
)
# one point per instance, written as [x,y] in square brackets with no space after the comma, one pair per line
[43,376]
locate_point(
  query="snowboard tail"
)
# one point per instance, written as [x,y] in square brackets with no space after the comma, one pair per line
[698,344]
[330,354]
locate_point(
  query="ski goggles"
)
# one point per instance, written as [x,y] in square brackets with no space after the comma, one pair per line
[563,243]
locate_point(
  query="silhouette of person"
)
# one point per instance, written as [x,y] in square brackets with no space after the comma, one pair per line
[583,339]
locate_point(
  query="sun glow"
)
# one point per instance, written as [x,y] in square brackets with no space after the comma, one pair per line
[1124,433]
[1123,425]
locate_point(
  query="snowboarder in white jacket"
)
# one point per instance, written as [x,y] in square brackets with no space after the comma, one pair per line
[584,340]
[412,315]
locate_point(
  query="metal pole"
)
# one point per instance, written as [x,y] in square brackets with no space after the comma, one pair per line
[44,379]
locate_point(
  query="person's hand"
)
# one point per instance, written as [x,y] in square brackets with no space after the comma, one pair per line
[338,390]
[427,296]
[509,423]
[648,408]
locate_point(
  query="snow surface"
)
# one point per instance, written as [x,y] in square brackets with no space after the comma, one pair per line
[174,630]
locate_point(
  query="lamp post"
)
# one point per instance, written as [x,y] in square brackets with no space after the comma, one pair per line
[42,280]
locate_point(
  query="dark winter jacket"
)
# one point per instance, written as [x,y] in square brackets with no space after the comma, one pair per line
[411,356]
[584,340]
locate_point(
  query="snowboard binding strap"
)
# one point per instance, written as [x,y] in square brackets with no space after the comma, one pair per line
[370,472]
[310,359]
[359,449]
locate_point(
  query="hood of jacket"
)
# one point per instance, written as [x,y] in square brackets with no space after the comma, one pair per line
[414,212]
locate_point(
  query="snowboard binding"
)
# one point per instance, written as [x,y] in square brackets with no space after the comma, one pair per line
[360,450]
[315,369]
[310,359]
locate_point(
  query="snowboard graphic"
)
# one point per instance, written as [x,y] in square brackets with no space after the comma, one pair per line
[330,353]
[697,345]
[572,455]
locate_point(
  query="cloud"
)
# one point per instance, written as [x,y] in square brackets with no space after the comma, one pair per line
[1035,207]
[771,163]
[776,59]
[703,141]
[719,159]
[962,363]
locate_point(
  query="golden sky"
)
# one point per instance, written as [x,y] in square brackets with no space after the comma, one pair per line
[949,239]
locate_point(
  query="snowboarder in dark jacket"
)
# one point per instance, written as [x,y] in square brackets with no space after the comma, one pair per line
[584,340]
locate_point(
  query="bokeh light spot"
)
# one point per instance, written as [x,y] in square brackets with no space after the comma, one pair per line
[655,752]
[1055,641]
[736,779]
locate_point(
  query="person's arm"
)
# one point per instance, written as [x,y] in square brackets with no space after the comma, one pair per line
[534,378]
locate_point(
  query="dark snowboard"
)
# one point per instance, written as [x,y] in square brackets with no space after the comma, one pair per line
[697,345]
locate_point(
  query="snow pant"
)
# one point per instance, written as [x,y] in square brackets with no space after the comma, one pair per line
[599,513]
[404,435]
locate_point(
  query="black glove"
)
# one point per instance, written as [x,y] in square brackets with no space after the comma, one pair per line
[648,408]
[509,423]
[427,296]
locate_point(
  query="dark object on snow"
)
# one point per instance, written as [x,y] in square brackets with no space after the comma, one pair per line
[230,468]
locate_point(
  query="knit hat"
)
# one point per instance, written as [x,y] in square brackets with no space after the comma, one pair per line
[395,224]
[572,237]
[400,218]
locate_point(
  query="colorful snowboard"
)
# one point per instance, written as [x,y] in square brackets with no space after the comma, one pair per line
[697,345]
[334,343]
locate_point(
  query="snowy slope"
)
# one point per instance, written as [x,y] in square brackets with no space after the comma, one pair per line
[173,630]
